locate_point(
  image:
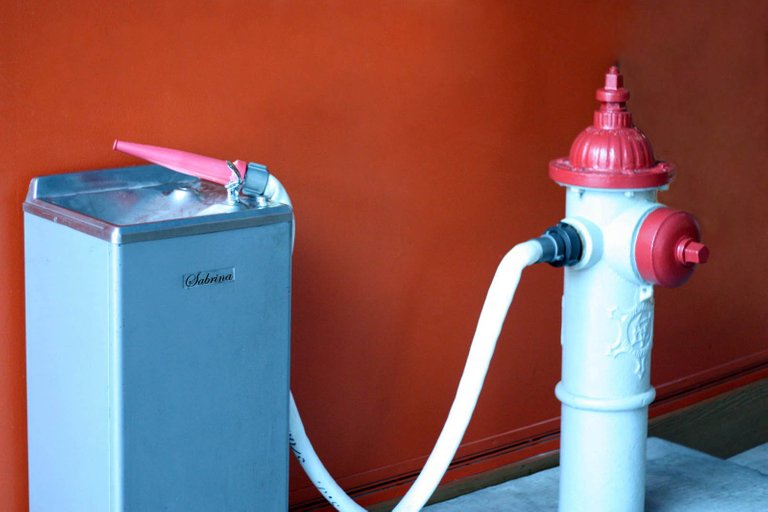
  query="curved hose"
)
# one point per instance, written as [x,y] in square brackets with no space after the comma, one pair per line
[497,302]
[492,316]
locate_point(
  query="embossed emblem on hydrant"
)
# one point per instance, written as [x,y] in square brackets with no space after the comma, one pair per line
[635,335]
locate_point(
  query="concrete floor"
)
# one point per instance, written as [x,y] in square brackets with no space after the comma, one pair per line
[756,458]
[679,479]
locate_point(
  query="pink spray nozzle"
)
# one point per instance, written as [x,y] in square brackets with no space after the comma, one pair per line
[203,167]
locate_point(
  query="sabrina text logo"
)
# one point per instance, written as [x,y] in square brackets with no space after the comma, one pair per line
[206,277]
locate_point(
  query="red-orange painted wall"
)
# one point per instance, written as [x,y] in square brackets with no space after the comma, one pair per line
[414,139]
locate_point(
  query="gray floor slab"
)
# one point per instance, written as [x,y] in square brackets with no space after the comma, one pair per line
[756,458]
[678,480]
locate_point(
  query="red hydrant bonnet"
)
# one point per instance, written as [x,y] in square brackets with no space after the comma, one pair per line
[612,153]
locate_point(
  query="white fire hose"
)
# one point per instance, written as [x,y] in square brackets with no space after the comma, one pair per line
[497,302]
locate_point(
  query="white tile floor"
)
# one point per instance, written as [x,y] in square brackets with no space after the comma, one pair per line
[678,480]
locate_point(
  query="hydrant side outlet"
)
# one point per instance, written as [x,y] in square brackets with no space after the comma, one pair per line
[561,245]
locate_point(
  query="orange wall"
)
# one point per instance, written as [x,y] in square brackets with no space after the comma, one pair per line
[414,139]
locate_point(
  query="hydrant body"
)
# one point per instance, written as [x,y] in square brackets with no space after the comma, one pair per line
[607,330]
[611,180]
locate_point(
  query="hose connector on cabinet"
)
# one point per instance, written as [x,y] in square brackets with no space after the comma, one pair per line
[561,246]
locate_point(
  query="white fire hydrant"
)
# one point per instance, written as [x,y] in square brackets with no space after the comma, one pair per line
[630,243]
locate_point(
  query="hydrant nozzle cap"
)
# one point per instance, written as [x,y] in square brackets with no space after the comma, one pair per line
[668,247]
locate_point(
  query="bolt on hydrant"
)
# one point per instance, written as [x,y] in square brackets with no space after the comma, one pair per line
[630,243]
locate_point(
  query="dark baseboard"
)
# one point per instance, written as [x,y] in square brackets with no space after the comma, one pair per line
[722,426]
[494,477]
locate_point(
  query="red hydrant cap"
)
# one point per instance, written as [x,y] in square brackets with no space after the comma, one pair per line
[612,153]
[668,247]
